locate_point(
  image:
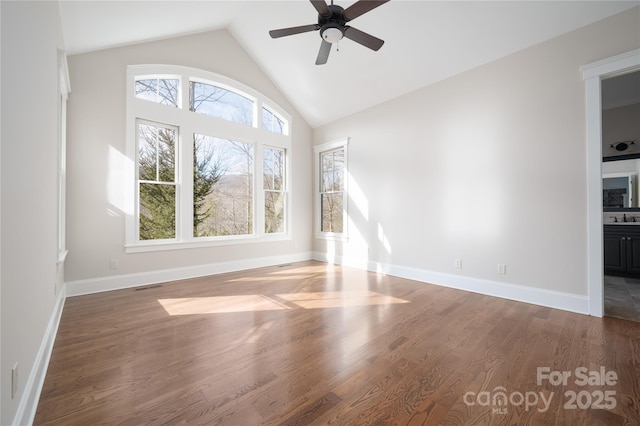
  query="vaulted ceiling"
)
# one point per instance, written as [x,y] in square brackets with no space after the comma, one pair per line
[425,41]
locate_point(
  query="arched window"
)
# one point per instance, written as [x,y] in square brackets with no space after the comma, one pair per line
[210,160]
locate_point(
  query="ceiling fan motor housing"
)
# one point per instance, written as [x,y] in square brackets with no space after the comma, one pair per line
[332,22]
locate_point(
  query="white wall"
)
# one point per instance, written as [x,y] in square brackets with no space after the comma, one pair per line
[488,166]
[31,36]
[96,147]
[621,166]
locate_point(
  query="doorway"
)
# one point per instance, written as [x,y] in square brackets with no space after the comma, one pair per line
[593,75]
[620,106]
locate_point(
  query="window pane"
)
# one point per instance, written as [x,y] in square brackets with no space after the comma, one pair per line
[273,123]
[147,89]
[331,212]
[274,185]
[160,90]
[147,152]
[156,153]
[223,187]
[326,172]
[157,211]
[221,103]
[338,170]
[332,173]
[274,208]
[273,168]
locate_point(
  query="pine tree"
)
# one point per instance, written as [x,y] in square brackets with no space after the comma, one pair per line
[158,194]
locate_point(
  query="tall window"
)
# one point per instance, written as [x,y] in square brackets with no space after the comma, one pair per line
[222,187]
[332,188]
[275,195]
[157,181]
[201,145]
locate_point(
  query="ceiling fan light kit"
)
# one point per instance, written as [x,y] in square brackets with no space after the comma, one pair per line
[332,24]
[332,34]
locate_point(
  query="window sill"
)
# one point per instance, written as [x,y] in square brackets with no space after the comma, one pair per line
[175,245]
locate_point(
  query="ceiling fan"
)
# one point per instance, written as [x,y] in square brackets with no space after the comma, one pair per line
[332,20]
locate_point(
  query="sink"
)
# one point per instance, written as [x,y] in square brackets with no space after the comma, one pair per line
[622,223]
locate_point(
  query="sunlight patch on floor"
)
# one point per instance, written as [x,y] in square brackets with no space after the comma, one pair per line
[257,302]
[220,304]
[272,278]
[338,299]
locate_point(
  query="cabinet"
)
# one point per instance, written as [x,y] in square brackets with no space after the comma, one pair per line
[622,250]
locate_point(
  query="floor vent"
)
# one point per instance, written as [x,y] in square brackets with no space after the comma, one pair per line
[147,287]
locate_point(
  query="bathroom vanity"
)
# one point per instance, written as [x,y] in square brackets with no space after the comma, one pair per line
[621,218]
[622,248]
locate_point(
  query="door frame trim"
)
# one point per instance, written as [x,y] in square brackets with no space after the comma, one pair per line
[593,74]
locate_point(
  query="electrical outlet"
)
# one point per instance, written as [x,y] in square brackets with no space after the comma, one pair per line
[14,381]
[113,264]
[502,269]
[457,263]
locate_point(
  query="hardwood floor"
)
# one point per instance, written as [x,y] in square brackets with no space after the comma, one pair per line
[311,343]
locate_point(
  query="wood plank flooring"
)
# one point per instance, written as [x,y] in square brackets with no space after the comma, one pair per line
[311,343]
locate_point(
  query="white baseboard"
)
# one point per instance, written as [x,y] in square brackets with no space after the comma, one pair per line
[548,298]
[33,387]
[97,285]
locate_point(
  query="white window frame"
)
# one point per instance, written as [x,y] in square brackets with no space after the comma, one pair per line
[318,151]
[284,190]
[189,123]
[64,88]
[175,183]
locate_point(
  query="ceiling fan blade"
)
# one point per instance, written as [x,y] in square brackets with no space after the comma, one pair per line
[293,30]
[361,7]
[321,7]
[363,38]
[323,54]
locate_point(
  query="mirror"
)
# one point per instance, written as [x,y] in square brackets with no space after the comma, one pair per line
[619,191]
[620,184]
